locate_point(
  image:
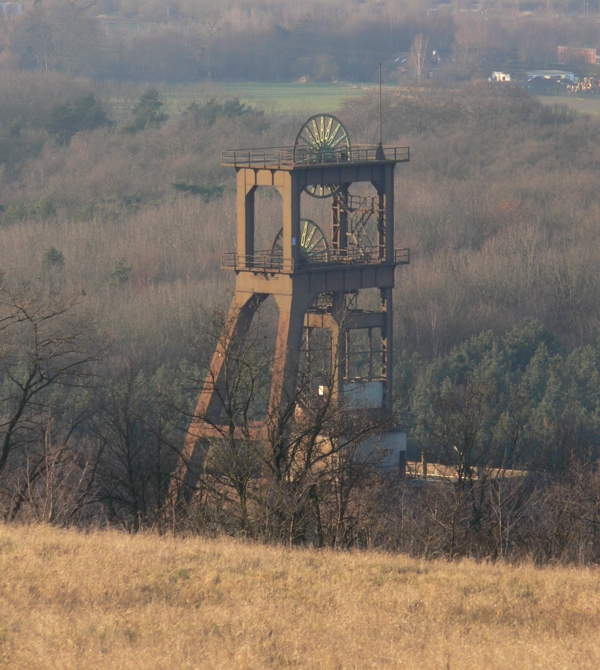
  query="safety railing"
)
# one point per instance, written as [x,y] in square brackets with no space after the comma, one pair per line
[261,262]
[273,263]
[401,256]
[277,157]
[357,256]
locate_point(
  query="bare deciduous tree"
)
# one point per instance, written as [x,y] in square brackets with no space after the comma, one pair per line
[418,56]
[46,350]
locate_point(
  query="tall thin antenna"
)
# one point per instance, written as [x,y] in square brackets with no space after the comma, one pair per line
[380,128]
[380,155]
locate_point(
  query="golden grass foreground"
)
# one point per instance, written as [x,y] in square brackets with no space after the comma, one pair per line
[112,600]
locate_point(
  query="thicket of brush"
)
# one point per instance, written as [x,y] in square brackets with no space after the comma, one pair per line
[115,230]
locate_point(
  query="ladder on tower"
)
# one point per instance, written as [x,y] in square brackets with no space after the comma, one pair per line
[360,209]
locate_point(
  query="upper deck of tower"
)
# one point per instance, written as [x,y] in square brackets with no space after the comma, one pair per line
[322,163]
[295,157]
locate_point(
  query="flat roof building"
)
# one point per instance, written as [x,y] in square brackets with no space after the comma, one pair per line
[550,74]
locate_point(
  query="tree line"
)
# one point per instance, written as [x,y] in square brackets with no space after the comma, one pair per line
[89,438]
[284,42]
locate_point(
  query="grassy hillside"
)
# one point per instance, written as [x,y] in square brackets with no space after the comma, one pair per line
[112,600]
[312,98]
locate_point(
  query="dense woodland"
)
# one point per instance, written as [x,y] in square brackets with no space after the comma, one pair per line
[283,40]
[112,224]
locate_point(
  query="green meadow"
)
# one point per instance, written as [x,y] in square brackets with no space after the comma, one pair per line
[294,98]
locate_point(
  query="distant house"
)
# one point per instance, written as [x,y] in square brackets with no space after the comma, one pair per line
[402,62]
[537,76]
[577,56]
[398,63]
[550,75]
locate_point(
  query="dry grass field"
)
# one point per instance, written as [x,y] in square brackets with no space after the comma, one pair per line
[112,600]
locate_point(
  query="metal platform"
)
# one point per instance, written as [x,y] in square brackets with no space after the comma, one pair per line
[266,261]
[294,157]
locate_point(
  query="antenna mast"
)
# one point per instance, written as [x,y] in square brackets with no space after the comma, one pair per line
[380,130]
[380,152]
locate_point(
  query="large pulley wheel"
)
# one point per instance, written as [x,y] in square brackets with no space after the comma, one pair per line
[322,190]
[322,139]
[313,244]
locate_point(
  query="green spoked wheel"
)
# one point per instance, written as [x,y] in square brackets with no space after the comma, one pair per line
[313,244]
[322,190]
[322,139]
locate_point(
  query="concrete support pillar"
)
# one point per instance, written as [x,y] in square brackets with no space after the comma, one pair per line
[290,194]
[245,219]
[287,350]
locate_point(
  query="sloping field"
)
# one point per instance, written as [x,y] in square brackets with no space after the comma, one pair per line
[111,600]
[584,105]
[292,99]
[311,98]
